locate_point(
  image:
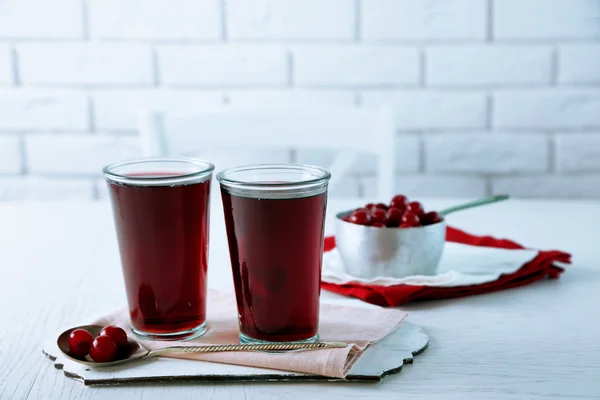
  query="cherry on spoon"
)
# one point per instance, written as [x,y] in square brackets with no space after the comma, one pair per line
[135,351]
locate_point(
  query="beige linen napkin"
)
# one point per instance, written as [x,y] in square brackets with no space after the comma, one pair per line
[359,327]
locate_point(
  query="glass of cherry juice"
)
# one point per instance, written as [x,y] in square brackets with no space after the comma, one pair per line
[274,215]
[161,213]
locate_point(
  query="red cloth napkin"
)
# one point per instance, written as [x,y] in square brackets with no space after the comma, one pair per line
[540,267]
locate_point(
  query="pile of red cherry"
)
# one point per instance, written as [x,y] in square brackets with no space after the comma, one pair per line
[401,213]
[103,348]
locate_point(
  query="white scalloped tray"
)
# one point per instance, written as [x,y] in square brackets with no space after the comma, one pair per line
[382,359]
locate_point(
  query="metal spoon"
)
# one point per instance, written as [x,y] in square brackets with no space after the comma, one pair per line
[135,351]
[475,203]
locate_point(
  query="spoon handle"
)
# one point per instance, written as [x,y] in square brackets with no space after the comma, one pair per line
[248,347]
[476,203]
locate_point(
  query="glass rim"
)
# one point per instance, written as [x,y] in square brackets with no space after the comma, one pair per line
[205,170]
[300,188]
[326,175]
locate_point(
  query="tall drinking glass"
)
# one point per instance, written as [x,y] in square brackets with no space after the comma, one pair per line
[161,213]
[275,217]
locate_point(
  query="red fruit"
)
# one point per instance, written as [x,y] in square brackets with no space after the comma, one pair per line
[394,216]
[403,208]
[80,342]
[399,201]
[431,217]
[378,224]
[378,215]
[360,217]
[381,205]
[411,219]
[117,334]
[103,349]
[416,208]
[405,225]
[370,206]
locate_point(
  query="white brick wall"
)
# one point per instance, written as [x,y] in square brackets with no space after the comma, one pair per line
[10,154]
[32,109]
[42,189]
[578,152]
[225,158]
[291,98]
[155,19]
[579,64]
[85,64]
[244,65]
[547,108]
[76,155]
[426,110]
[355,66]
[562,186]
[386,20]
[117,110]
[407,157]
[56,19]
[488,95]
[546,19]
[285,19]
[416,186]
[487,153]
[6,70]
[488,65]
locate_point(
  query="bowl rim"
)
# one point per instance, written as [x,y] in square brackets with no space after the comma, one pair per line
[342,214]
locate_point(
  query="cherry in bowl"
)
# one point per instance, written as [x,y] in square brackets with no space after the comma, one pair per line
[360,217]
[378,215]
[401,212]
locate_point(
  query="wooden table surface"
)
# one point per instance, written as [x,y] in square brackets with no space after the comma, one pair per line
[59,263]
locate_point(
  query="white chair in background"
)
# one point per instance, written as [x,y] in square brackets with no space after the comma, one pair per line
[350,131]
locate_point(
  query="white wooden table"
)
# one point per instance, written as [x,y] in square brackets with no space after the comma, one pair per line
[59,263]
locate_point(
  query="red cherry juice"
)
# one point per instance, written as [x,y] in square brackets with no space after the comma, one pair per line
[276,253]
[163,241]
